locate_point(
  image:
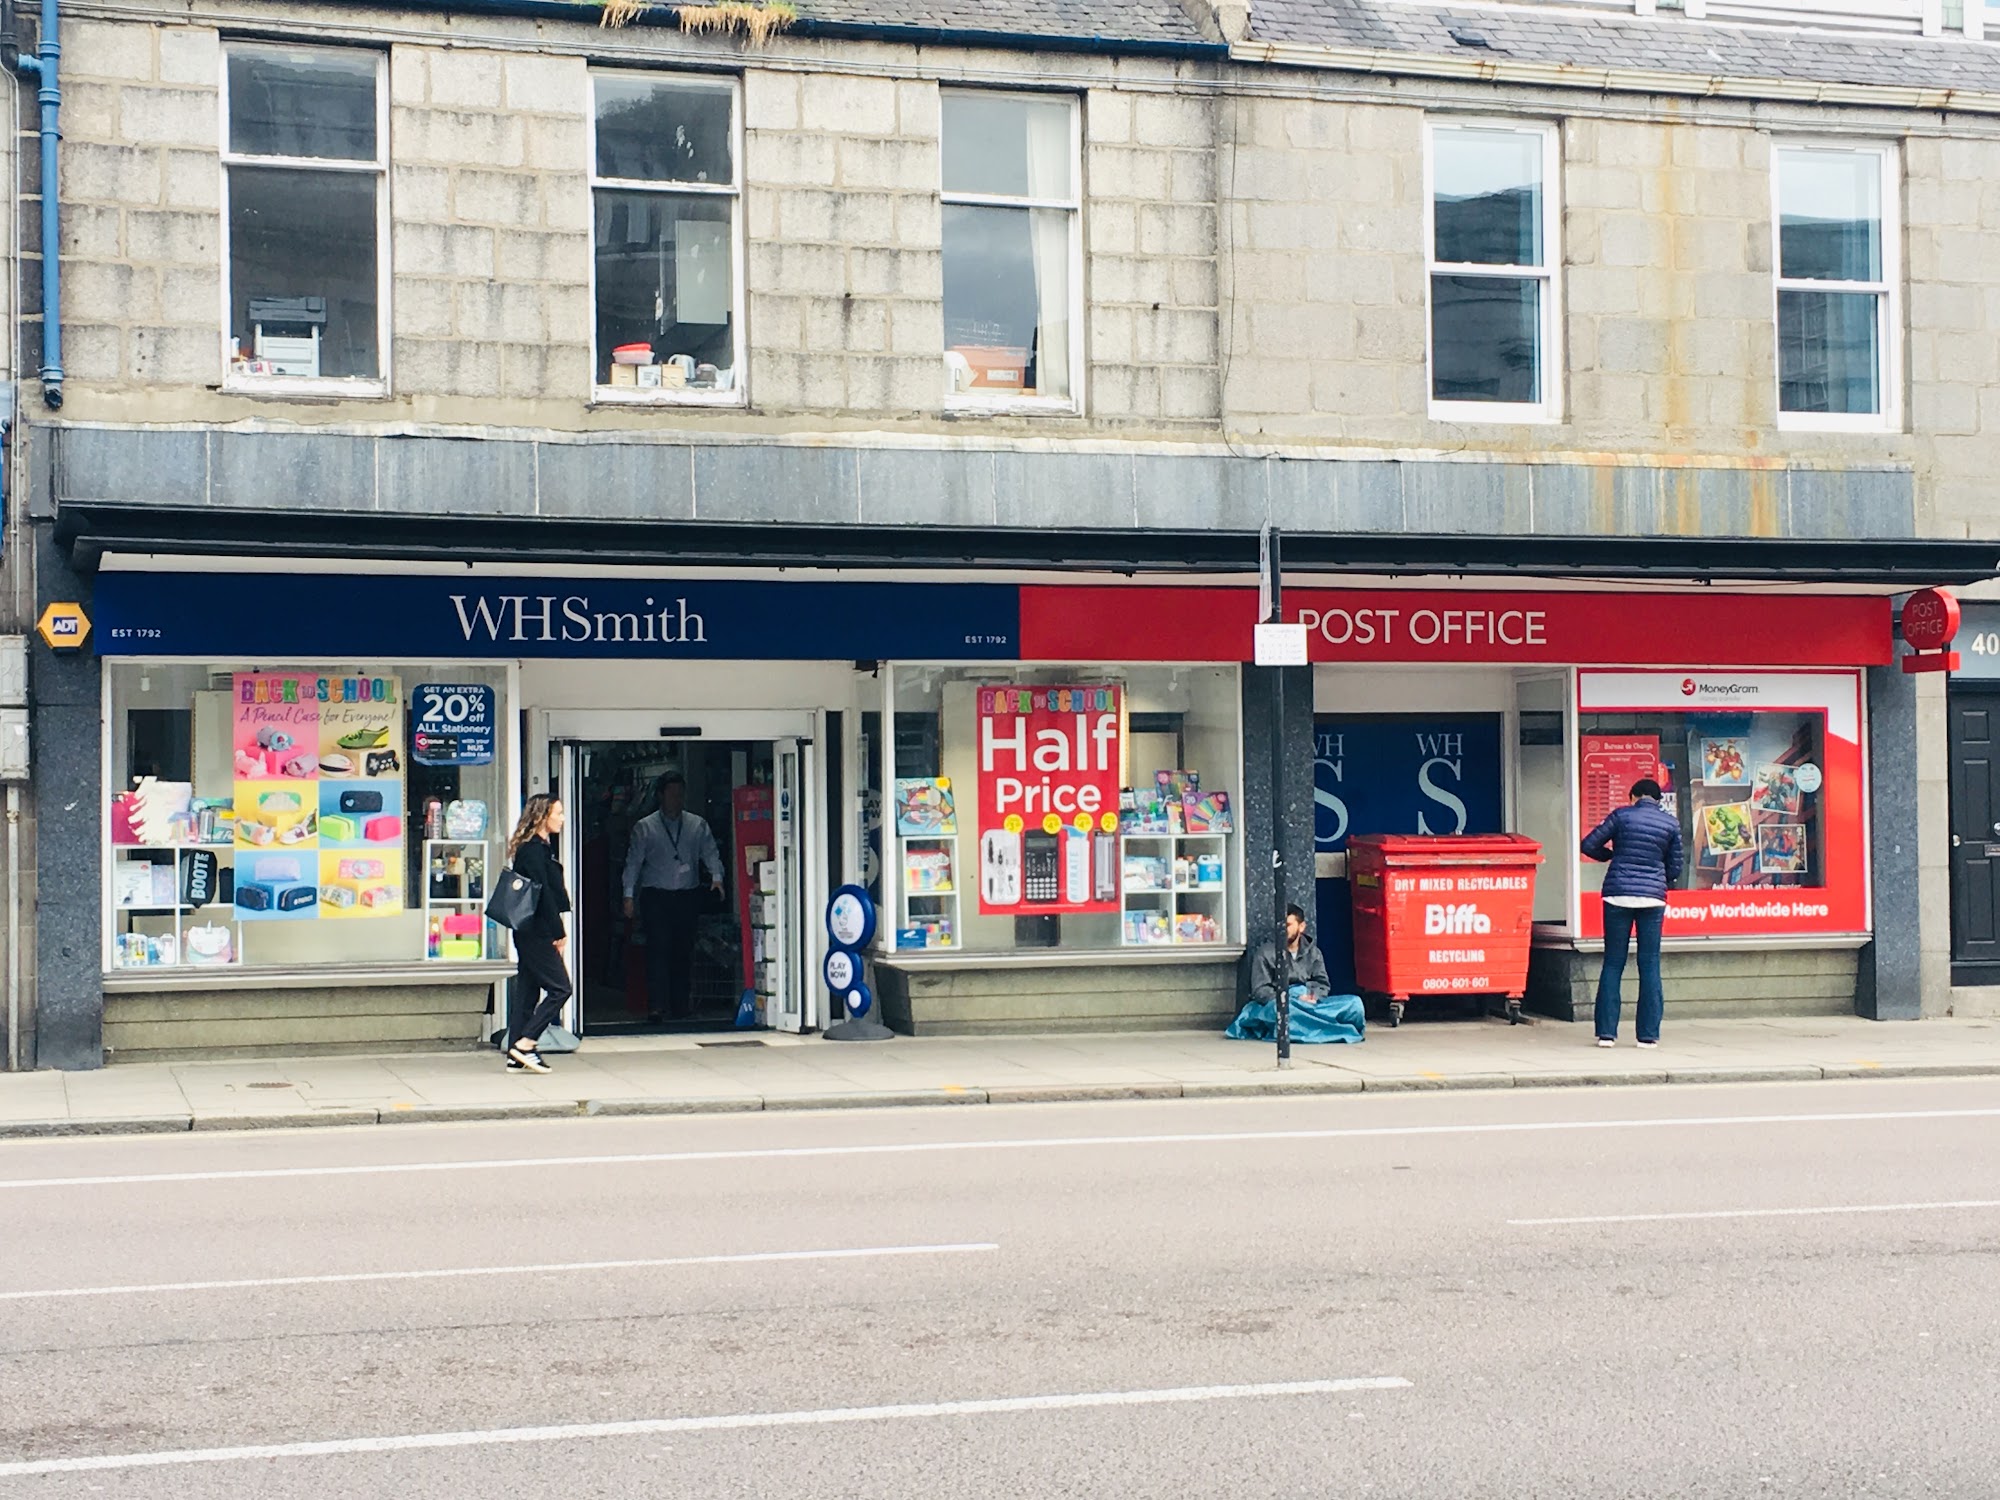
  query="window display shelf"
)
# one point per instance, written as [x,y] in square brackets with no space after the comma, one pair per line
[151,934]
[928,891]
[1171,884]
[455,874]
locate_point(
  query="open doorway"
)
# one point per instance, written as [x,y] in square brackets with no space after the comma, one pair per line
[683,965]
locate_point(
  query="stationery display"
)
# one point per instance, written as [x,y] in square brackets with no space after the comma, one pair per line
[318,773]
[1174,862]
[924,807]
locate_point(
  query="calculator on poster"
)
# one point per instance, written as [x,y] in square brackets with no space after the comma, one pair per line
[1043,884]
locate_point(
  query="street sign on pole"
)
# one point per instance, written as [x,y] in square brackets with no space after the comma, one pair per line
[1281,645]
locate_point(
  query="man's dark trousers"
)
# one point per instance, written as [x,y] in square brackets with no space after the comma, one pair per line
[669,919]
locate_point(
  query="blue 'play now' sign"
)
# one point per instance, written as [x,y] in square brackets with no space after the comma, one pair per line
[362,617]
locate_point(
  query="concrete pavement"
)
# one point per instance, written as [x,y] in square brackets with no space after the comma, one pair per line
[763,1071]
[1403,1296]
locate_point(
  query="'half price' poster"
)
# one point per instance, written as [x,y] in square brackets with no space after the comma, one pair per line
[1050,759]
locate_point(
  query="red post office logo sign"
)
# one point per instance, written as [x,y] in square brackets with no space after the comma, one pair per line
[1930,619]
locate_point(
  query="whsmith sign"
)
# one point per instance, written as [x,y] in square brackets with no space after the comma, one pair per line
[458,616]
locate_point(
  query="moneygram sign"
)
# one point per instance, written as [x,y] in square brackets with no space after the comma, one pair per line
[1722,690]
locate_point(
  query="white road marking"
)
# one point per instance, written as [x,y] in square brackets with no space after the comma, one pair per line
[1031,1143]
[348,1278]
[1769,1213]
[663,1426]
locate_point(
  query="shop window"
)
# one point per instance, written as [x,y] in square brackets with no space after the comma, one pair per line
[296,817]
[1836,285]
[305,193]
[665,194]
[1011,248]
[1086,809]
[1765,777]
[1542,784]
[1493,253]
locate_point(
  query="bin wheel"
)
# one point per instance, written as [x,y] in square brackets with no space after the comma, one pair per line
[1395,1013]
[1513,1013]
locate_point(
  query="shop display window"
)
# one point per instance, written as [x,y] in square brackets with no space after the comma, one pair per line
[287,817]
[1074,808]
[1763,772]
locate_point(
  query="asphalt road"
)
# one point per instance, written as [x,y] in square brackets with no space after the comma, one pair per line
[1353,1296]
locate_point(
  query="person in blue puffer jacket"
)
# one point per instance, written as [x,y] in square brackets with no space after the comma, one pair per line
[1643,843]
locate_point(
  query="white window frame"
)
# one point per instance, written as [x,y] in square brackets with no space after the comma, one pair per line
[1001,402]
[738,394]
[1550,408]
[1887,292]
[346,386]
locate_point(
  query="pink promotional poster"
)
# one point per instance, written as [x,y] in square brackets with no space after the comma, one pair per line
[319,796]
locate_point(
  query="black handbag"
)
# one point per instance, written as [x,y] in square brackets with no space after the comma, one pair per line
[515,898]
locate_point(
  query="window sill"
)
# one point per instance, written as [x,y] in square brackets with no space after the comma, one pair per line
[1058,958]
[386,974]
[1494,413]
[621,395]
[961,405]
[325,388]
[1854,422]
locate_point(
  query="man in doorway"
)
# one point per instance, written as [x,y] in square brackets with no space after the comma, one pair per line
[672,851]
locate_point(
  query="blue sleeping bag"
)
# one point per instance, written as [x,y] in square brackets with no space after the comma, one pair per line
[1336,1018]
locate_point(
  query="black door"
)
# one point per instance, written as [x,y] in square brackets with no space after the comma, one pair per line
[1975,830]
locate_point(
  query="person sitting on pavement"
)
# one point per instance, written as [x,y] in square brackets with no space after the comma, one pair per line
[1305,964]
[1317,1014]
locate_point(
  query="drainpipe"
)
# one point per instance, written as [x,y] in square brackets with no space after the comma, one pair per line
[43,68]
[13,928]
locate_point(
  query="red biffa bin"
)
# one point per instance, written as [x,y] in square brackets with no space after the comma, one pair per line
[1443,916]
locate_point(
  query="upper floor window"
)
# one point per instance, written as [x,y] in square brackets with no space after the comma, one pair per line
[1012,276]
[1836,286]
[666,188]
[1493,252]
[305,198]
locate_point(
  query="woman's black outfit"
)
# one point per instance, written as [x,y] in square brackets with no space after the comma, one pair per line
[540,967]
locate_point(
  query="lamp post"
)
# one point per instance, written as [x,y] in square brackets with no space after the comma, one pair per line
[1270,589]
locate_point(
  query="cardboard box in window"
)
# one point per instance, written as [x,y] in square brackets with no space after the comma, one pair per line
[995,368]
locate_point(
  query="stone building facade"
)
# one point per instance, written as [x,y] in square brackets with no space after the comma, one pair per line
[1252,314]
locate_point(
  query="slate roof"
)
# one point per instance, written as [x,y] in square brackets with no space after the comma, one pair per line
[1662,44]
[1148,22]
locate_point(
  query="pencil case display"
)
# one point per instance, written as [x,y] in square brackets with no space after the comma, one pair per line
[276,895]
[362,869]
[463,924]
[339,894]
[382,830]
[381,895]
[339,826]
[363,801]
[463,948]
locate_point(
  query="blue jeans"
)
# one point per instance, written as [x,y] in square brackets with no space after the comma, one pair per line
[1619,922]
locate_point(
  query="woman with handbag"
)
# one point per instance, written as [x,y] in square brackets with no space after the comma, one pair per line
[540,936]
